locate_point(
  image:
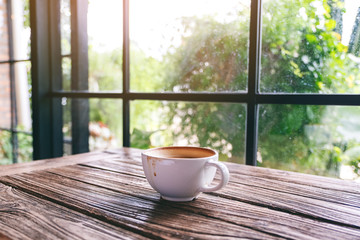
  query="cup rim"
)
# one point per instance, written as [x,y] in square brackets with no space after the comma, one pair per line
[148,152]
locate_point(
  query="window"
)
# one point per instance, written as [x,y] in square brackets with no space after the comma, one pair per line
[15,82]
[269,83]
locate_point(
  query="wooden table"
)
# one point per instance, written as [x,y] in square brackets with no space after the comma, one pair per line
[104,195]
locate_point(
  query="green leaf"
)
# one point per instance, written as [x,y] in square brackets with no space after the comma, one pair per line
[140,139]
[330,24]
[311,38]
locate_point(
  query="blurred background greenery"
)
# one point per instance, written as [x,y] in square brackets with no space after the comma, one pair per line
[307,47]
[303,51]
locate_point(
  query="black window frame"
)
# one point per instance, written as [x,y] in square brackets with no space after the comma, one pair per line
[14,131]
[48,94]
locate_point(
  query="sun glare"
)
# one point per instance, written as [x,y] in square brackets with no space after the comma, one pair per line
[155,25]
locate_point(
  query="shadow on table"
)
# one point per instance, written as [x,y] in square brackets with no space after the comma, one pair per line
[175,212]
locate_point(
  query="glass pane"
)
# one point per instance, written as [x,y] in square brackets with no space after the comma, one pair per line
[310,47]
[4,37]
[23,95]
[179,48]
[5,148]
[105,124]
[66,128]
[5,97]
[105,45]
[25,148]
[65,29]
[21,29]
[220,126]
[320,140]
[66,73]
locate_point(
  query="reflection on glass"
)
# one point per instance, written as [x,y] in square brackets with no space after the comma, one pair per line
[65,23]
[105,45]
[66,128]
[310,47]
[220,126]
[4,38]
[23,94]
[105,126]
[66,73]
[24,148]
[21,29]
[5,96]
[320,140]
[199,48]
[5,148]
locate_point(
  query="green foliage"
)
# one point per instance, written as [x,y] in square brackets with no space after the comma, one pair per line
[216,125]
[66,73]
[105,74]
[296,138]
[5,148]
[287,119]
[353,157]
[24,148]
[26,13]
[108,112]
[301,53]
[211,57]
[298,53]
[141,139]
[147,70]
[149,118]
[293,153]
[105,70]
[296,56]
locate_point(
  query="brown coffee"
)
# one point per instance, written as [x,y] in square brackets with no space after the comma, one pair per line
[181,152]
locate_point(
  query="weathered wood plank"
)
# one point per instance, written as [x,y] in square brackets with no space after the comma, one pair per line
[125,151]
[292,188]
[256,217]
[27,217]
[326,211]
[134,155]
[258,203]
[152,218]
[326,207]
[324,194]
[117,165]
[52,163]
[298,178]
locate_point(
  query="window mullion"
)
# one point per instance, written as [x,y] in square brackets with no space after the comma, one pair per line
[126,75]
[40,75]
[79,76]
[254,73]
[56,78]
[14,140]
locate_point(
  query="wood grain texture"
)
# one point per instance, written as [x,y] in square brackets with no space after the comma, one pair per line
[298,178]
[52,163]
[134,155]
[27,217]
[108,193]
[249,178]
[315,200]
[153,219]
[256,217]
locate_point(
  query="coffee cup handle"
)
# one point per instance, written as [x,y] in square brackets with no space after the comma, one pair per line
[224,171]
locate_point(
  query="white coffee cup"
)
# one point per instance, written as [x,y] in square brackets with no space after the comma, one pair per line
[182,173]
